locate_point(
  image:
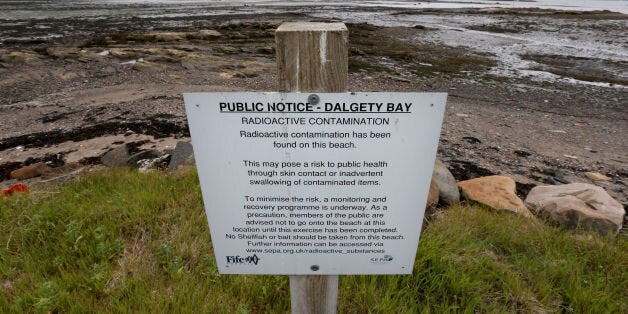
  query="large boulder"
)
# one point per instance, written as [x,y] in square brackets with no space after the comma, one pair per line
[497,192]
[446,183]
[578,204]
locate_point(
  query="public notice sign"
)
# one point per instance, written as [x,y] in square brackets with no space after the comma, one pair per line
[323,183]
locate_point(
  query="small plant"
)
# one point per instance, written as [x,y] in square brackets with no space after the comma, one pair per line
[47,299]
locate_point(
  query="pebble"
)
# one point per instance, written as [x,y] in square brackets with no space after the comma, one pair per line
[596,176]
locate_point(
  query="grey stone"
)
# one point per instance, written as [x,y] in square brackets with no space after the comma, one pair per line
[447,186]
[182,154]
[116,157]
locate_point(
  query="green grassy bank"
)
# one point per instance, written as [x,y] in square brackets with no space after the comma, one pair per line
[119,241]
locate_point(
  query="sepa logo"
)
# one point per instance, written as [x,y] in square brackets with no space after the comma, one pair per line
[243,260]
[381,260]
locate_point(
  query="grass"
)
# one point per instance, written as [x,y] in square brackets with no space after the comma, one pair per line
[119,241]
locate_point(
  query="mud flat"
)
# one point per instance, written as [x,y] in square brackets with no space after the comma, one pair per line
[539,95]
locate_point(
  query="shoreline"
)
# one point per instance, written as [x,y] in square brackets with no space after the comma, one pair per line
[73,99]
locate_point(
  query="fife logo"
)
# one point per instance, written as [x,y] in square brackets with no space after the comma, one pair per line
[253,259]
[382,260]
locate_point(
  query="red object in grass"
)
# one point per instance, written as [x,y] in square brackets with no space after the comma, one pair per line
[20,187]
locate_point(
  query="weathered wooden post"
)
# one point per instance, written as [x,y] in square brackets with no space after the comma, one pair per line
[312,57]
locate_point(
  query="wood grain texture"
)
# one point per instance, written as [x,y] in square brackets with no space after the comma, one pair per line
[312,57]
[311,294]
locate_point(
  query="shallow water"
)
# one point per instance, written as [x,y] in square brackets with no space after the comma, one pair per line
[42,9]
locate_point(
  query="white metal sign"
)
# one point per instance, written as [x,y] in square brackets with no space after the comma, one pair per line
[323,183]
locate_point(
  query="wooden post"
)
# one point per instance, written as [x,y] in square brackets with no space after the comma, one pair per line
[312,57]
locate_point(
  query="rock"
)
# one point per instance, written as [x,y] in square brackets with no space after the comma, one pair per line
[116,157]
[133,161]
[432,196]
[181,155]
[266,50]
[243,74]
[238,35]
[62,52]
[152,61]
[85,56]
[497,192]
[105,71]
[147,165]
[491,10]
[578,204]
[447,186]
[356,51]
[167,36]
[595,176]
[144,65]
[125,53]
[30,171]
[472,140]
[208,34]
[18,57]
[227,50]
[68,76]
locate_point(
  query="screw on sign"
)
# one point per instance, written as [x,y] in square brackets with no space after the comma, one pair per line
[16,188]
